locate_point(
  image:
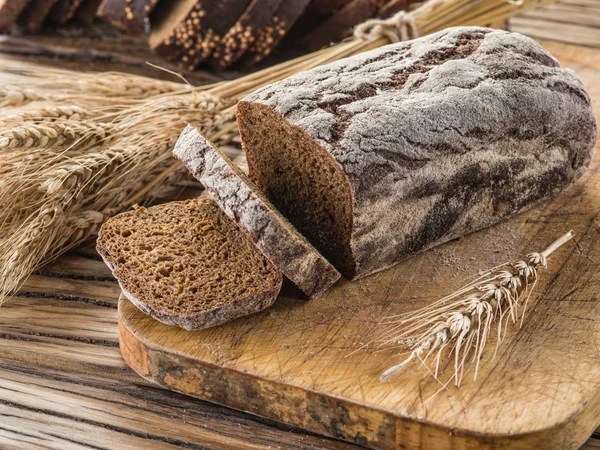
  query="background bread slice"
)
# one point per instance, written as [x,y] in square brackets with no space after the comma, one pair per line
[9,12]
[255,215]
[86,13]
[35,14]
[129,16]
[187,264]
[63,11]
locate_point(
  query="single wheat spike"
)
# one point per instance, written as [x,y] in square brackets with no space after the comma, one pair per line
[41,134]
[463,321]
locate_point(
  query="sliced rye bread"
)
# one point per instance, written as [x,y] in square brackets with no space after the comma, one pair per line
[187,264]
[86,13]
[255,215]
[241,35]
[9,12]
[129,16]
[340,25]
[34,16]
[187,31]
[270,35]
[63,11]
[316,13]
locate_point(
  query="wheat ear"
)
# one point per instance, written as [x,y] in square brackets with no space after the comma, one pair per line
[463,321]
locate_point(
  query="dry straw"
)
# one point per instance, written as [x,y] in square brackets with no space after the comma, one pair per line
[461,323]
[76,148]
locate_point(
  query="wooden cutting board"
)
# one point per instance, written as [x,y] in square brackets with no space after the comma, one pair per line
[303,362]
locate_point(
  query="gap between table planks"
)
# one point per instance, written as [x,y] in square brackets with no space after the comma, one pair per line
[66,328]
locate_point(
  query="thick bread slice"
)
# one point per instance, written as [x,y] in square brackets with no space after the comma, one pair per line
[129,16]
[241,35]
[316,13]
[187,264]
[383,155]
[63,11]
[187,31]
[255,215]
[9,12]
[86,13]
[341,24]
[35,14]
[268,36]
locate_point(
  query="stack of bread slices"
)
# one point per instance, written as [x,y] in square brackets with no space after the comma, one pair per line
[209,33]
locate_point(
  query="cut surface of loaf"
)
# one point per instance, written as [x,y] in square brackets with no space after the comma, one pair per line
[129,16]
[35,14]
[187,264]
[386,154]
[9,12]
[187,31]
[255,215]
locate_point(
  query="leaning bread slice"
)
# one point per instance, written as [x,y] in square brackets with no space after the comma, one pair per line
[242,201]
[187,264]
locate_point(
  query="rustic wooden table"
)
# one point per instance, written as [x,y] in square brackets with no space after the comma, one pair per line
[63,381]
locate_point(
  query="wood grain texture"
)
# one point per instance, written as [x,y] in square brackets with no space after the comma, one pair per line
[303,362]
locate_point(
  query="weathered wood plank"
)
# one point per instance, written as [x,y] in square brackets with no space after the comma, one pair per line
[43,408]
[565,32]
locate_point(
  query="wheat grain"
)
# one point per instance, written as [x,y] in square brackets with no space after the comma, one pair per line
[46,112]
[16,96]
[42,134]
[464,320]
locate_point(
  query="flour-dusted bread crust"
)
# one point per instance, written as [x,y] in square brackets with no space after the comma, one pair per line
[129,16]
[255,215]
[418,142]
[187,264]
[9,12]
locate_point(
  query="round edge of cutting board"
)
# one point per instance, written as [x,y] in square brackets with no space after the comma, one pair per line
[317,412]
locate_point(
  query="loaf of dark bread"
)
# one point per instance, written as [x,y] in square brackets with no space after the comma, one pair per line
[255,215]
[340,25]
[63,11]
[86,13]
[391,152]
[9,12]
[187,31]
[270,35]
[245,31]
[187,264]
[35,14]
[129,16]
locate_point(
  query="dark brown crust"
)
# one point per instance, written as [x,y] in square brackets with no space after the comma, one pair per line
[63,11]
[241,35]
[35,14]
[270,35]
[86,13]
[340,25]
[255,215]
[191,41]
[129,16]
[239,307]
[9,12]
[316,13]
[439,136]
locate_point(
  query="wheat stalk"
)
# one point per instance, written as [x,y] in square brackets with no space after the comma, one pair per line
[49,134]
[461,323]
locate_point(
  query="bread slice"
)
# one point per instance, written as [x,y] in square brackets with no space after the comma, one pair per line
[63,11]
[271,34]
[35,14]
[129,16]
[255,215]
[340,25]
[245,31]
[316,13]
[187,264]
[187,31]
[86,13]
[9,12]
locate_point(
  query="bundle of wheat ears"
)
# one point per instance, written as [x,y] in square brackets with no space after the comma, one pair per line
[77,148]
